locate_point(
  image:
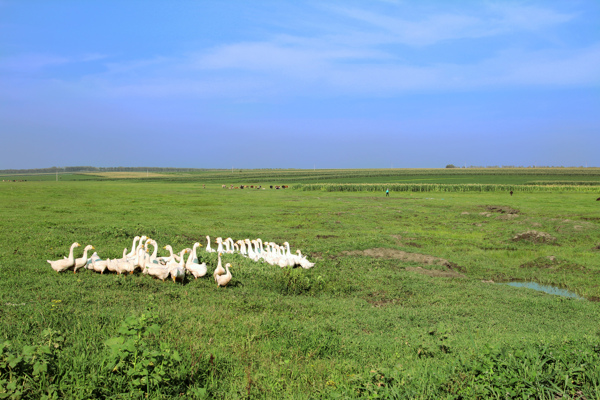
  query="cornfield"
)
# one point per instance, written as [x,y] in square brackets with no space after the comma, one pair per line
[431,187]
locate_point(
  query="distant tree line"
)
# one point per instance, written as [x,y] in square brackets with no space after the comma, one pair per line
[512,166]
[53,170]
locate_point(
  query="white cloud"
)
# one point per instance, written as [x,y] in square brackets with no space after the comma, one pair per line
[493,19]
[355,59]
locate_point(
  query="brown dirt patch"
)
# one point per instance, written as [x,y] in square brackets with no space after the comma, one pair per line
[596,248]
[534,236]
[435,273]
[451,272]
[502,209]
[380,299]
[507,216]
[399,238]
[398,255]
[553,264]
[594,299]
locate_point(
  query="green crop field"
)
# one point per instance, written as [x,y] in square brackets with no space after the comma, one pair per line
[406,300]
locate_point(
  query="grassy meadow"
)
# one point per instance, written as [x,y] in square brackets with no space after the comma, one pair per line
[405,299]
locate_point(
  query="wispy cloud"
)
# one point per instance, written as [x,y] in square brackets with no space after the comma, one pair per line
[492,19]
[32,62]
[361,57]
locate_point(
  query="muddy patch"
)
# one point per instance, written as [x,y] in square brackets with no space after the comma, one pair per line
[402,241]
[453,270]
[534,236]
[507,216]
[502,209]
[398,255]
[435,273]
[553,264]
[380,299]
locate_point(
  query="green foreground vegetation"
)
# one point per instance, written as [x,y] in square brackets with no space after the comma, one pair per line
[400,304]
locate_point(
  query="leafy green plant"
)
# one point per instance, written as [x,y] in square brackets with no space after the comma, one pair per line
[22,371]
[294,281]
[136,356]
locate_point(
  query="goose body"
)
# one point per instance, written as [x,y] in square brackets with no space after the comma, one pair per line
[171,256]
[219,270]
[133,246]
[177,270]
[158,271]
[208,248]
[83,260]
[88,263]
[193,265]
[65,263]
[99,265]
[125,265]
[219,241]
[224,279]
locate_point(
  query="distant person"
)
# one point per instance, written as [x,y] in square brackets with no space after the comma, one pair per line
[511,192]
[387,193]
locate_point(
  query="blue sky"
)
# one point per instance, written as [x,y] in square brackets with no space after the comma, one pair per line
[274,84]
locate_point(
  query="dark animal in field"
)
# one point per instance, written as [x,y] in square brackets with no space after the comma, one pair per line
[271,186]
[511,192]
[598,199]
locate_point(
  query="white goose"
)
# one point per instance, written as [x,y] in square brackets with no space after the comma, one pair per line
[251,253]
[99,265]
[208,248]
[219,241]
[177,269]
[93,257]
[65,263]
[125,265]
[219,270]
[157,270]
[242,248]
[304,263]
[224,279]
[192,264]
[133,246]
[171,256]
[82,261]
[231,245]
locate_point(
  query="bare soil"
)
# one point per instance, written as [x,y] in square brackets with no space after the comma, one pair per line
[502,209]
[534,236]
[436,273]
[451,272]
[398,255]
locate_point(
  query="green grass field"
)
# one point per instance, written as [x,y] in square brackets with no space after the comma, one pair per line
[399,304]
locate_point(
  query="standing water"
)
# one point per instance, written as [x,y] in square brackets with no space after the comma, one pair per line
[546,289]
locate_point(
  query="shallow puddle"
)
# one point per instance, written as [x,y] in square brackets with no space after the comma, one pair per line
[546,288]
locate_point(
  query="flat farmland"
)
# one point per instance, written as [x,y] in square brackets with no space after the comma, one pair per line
[406,299]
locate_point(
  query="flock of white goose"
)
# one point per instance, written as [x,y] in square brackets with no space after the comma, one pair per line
[175,265]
